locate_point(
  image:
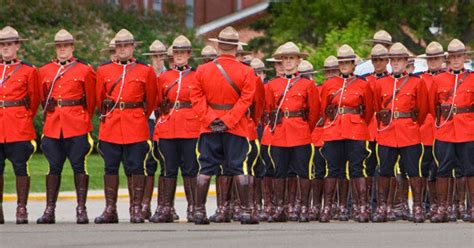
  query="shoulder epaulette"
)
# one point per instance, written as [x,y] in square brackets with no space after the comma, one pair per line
[361,77]
[366,75]
[414,75]
[26,63]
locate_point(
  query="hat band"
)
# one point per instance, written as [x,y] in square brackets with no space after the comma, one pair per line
[399,55]
[346,57]
[435,54]
[331,67]
[382,41]
[10,39]
[458,51]
[375,56]
[64,41]
[124,41]
[182,47]
[228,40]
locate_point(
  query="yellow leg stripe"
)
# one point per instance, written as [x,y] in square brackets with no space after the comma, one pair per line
[377,154]
[91,143]
[396,168]
[164,160]
[325,160]
[153,153]
[310,165]
[421,160]
[244,165]
[348,177]
[257,144]
[364,163]
[198,154]
[146,157]
[270,156]
[35,146]
[434,155]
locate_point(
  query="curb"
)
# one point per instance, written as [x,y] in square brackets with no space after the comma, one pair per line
[69,196]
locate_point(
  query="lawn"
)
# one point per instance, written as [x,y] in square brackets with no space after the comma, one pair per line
[39,168]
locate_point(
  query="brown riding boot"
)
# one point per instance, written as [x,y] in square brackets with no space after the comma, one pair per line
[202,188]
[369,184]
[244,185]
[361,189]
[292,195]
[224,183]
[400,206]
[52,189]
[166,215]
[279,214]
[267,200]
[432,198]
[442,188]
[159,207]
[330,185]
[257,190]
[343,197]
[470,187]
[130,194]
[355,200]
[235,206]
[390,214]
[461,199]
[383,188]
[138,185]
[305,187]
[81,182]
[147,195]
[317,194]
[111,183]
[416,188]
[218,200]
[451,206]
[22,190]
[190,191]
[2,218]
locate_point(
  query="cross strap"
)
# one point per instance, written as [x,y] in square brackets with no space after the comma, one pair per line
[405,80]
[226,76]
[17,67]
[175,82]
[451,92]
[333,95]
[120,78]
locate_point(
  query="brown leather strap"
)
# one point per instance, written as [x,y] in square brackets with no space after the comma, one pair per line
[221,106]
[180,105]
[450,93]
[457,110]
[227,77]
[405,80]
[290,114]
[175,82]
[130,105]
[120,78]
[348,110]
[401,115]
[7,104]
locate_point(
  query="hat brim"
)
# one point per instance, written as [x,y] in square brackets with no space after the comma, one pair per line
[308,72]
[63,42]
[329,68]
[107,49]
[459,52]
[273,60]
[390,56]
[346,59]
[425,56]
[128,42]
[301,55]
[154,53]
[13,40]
[385,42]
[379,57]
[206,57]
[228,42]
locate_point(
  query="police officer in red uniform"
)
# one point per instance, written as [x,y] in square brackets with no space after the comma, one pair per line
[67,90]
[176,132]
[126,94]
[347,109]
[452,104]
[401,102]
[435,57]
[224,90]
[293,104]
[18,104]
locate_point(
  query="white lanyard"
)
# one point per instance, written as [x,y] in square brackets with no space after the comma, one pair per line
[162,120]
[452,103]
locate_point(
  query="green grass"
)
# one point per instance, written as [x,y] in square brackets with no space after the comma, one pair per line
[39,168]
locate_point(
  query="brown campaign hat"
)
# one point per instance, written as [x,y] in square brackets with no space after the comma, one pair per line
[457,47]
[63,37]
[289,48]
[305,67]
[181,43]
[273,59]
[208,52]
[9,34]
[156,48]
[433,50]
[169,53]
[241,51]
[125,37]
[398,50]
[258,65]
[110,47]
[381,37]
[330,63]
[228,36]
[346,53]
[379,52]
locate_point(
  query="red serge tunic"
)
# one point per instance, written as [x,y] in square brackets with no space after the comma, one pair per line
[76,80]
[401,132]
[18,82]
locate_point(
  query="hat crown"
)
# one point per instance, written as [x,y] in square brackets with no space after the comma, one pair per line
[378,50]
[330,61]
[383,35]
[399,49]
[112,43]
[123,35]
[181,41]
[434,48]
[305,66]
[289,48]
[157,46]
[345,51]
[208,51]
[456,46]
[63,35]
[277,51]
[229,33]
[169,52]
[256,63]
[9,33]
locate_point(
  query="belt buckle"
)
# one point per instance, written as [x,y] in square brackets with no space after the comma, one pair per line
[286,113]
[177,105]
[340,110]
[396,114]
[59,102]
[454,109]
[121,105]
[2,104]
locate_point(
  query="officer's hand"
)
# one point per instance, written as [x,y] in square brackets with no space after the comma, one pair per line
[217,126]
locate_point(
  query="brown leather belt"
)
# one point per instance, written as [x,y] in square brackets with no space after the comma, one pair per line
[65,102]
[130,105]
[401,115]
[457,110]
[7,104]
[348,110]
[180,105]
[221,106]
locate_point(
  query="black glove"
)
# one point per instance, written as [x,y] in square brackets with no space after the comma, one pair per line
[217,126]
